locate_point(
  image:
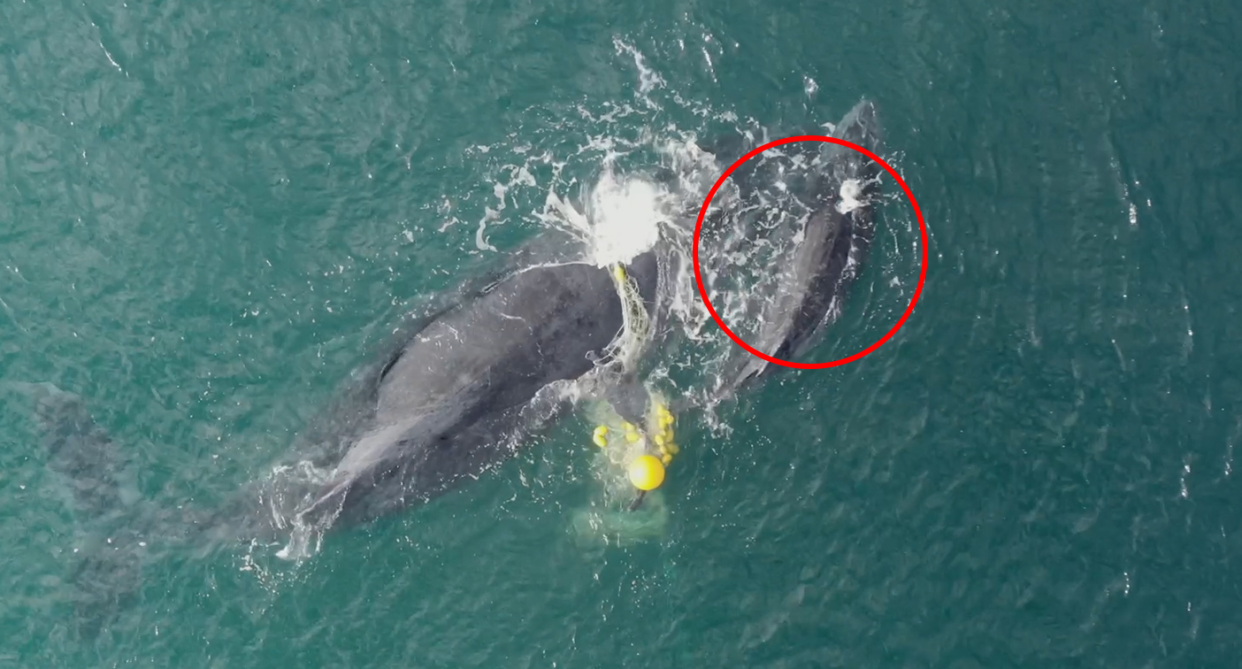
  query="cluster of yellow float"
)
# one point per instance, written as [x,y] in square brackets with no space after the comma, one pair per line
[647,471]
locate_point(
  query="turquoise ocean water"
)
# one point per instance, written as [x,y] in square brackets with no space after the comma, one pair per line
[210,212]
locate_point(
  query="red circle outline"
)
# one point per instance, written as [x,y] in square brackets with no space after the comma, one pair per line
[698,228]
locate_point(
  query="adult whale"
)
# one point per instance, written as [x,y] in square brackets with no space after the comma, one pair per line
[447,399]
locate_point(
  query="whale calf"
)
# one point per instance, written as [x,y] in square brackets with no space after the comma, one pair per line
[815,279]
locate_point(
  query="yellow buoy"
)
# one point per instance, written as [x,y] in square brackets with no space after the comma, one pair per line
[646,472]
[600,436]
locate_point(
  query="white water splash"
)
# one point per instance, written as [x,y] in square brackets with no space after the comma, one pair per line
[626,216]
[623,217]
[648,79]
[851,190]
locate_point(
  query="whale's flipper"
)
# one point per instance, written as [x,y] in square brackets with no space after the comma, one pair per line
[726,147]
[107,558]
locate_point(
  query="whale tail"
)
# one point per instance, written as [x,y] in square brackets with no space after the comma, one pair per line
[112,523]
[105,572]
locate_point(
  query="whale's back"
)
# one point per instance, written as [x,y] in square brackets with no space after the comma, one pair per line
[456,391]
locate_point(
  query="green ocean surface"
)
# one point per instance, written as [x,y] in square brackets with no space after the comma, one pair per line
[210,213]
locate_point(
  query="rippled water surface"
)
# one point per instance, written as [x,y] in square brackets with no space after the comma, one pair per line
[210,213]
